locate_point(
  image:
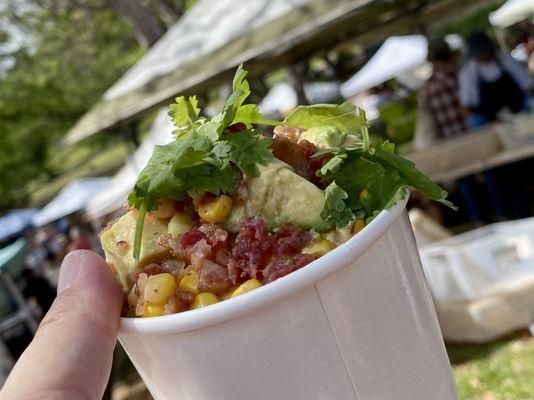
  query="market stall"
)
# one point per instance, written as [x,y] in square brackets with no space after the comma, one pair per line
[495,145]
[72,198]
[113,195]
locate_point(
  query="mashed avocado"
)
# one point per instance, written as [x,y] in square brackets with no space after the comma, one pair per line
[279,196]
[324,137]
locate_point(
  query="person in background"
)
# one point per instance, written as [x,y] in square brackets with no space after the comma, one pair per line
[440,112]
[79,239]
[490,82]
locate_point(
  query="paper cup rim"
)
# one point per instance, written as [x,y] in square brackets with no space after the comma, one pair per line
[264,296]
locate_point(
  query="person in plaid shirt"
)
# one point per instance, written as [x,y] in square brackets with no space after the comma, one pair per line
[439,95]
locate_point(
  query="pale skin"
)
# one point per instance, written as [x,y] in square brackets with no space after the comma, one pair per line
[71,354]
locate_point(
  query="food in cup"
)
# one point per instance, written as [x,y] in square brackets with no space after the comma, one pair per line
[223,210]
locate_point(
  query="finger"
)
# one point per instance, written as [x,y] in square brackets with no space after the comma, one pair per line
[71,354]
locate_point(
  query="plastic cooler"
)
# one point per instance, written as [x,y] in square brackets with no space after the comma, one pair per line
[358,323]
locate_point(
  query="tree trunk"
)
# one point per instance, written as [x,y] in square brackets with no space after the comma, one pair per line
[168,13]
[146,26]
[296,79]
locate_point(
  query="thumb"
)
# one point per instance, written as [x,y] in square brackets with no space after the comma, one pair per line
[71,354]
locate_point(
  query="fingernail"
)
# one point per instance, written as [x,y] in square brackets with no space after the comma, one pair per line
[70,269]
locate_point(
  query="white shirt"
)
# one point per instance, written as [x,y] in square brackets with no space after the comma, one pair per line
[490,72]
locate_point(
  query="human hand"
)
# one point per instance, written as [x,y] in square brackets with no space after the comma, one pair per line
[71,354]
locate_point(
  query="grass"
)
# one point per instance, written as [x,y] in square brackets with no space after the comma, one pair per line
[501,370]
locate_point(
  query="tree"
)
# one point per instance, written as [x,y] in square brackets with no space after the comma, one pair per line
[66,59]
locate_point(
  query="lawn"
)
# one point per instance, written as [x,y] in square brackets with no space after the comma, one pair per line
[501,370]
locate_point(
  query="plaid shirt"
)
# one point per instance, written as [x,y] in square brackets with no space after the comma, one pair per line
[441,98]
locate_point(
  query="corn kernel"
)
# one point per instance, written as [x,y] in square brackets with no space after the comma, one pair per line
[159,288]
[216,210]
[364,194]
[153,310]
[359,224]
[203,300]
[226,295]
[246,286]
[180,223]
[320,247]
[165,209]
[190,281]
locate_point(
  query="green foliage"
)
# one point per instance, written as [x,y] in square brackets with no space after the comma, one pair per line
[68,58]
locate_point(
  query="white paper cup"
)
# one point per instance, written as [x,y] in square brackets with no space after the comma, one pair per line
[358,323]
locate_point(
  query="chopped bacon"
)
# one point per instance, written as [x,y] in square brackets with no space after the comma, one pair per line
[282,266]
[190,238]
[173,244]
[198,253]
[290,239]
[173,266]
[292,154]
[252,249]
[239,127]
[213,278]
[185,297]
[287,132]
[214,235]
[153,269]
[300,157]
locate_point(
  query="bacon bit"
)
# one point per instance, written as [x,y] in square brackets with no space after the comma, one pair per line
[213,278]
[287,132]
[253,248]
[282,266]
[239,127]
[174,305]
[198,253]
[293,154]
[173,266]
[185,297]
[173,244]
[153,269]
[213,233]
[290,239]
[189,239]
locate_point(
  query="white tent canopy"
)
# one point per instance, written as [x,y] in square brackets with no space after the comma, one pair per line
[15,221]
[198,33]
[282,97]
[397,56]
[511,12]
[113,196]
[72,198]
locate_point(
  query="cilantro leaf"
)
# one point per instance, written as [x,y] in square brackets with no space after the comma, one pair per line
[335,209]
[184,112]
[411,175]
[248,149]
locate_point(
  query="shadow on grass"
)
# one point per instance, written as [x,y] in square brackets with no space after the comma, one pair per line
[460,353]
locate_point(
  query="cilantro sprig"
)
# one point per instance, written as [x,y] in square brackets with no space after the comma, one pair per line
[365,178]
[204,157]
